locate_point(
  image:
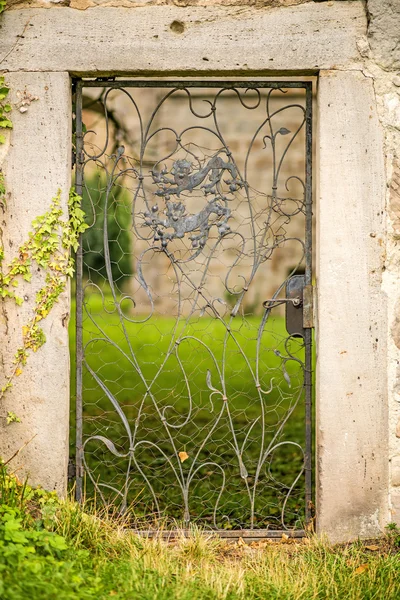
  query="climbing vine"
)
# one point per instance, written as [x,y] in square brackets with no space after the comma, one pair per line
[5,108]
[48,247]
[5,123]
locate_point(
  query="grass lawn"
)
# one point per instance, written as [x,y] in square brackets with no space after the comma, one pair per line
[237,471]
[53,550]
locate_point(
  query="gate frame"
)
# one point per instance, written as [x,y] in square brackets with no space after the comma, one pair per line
[109,83]
[352,367]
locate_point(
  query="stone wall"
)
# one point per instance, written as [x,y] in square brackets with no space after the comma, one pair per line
[84,4]
[354,48]
[381,52]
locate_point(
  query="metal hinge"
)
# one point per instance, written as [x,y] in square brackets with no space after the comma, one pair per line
[77,158]
[308,307]
[73,471]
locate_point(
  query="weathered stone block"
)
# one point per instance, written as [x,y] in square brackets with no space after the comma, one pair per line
[351,329]
[395,471]
[383,32]
[36,165]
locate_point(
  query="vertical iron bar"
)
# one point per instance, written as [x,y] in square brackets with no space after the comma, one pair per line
[79,298]
[308,332]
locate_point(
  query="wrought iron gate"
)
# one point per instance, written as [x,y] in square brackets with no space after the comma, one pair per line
[193,392]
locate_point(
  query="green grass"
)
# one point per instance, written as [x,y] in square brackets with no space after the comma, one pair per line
[183,380]
[53,550]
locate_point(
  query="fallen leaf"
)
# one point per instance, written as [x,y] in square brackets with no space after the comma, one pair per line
[361,569]
[260,544]
[241,542]
[374,548]
[183,456]
[18,372]
[285,537]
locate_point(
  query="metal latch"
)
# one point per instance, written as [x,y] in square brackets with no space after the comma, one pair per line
[299,305]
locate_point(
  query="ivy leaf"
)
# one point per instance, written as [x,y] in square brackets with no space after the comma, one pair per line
[2,139]
[12,418]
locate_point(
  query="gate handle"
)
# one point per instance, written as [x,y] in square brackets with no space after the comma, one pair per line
[272,302]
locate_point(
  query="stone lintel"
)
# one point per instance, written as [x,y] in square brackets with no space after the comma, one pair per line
[147,41]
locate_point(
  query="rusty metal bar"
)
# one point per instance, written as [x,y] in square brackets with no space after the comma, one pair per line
[79,300]
[248,535]
[308,332]
[111,83]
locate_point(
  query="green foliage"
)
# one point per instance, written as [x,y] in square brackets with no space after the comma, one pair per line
[35,560]
[393,535]
[21,496]
[118,226]
[17,543]
[5,107]
[59,550]
[12,418]
[48,248]
[2,5]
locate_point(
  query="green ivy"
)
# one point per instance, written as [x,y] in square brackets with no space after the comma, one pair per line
[5,106]
[12,418]
[48,249]
[25,541]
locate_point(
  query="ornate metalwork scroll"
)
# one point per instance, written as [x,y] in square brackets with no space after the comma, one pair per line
[193,402]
